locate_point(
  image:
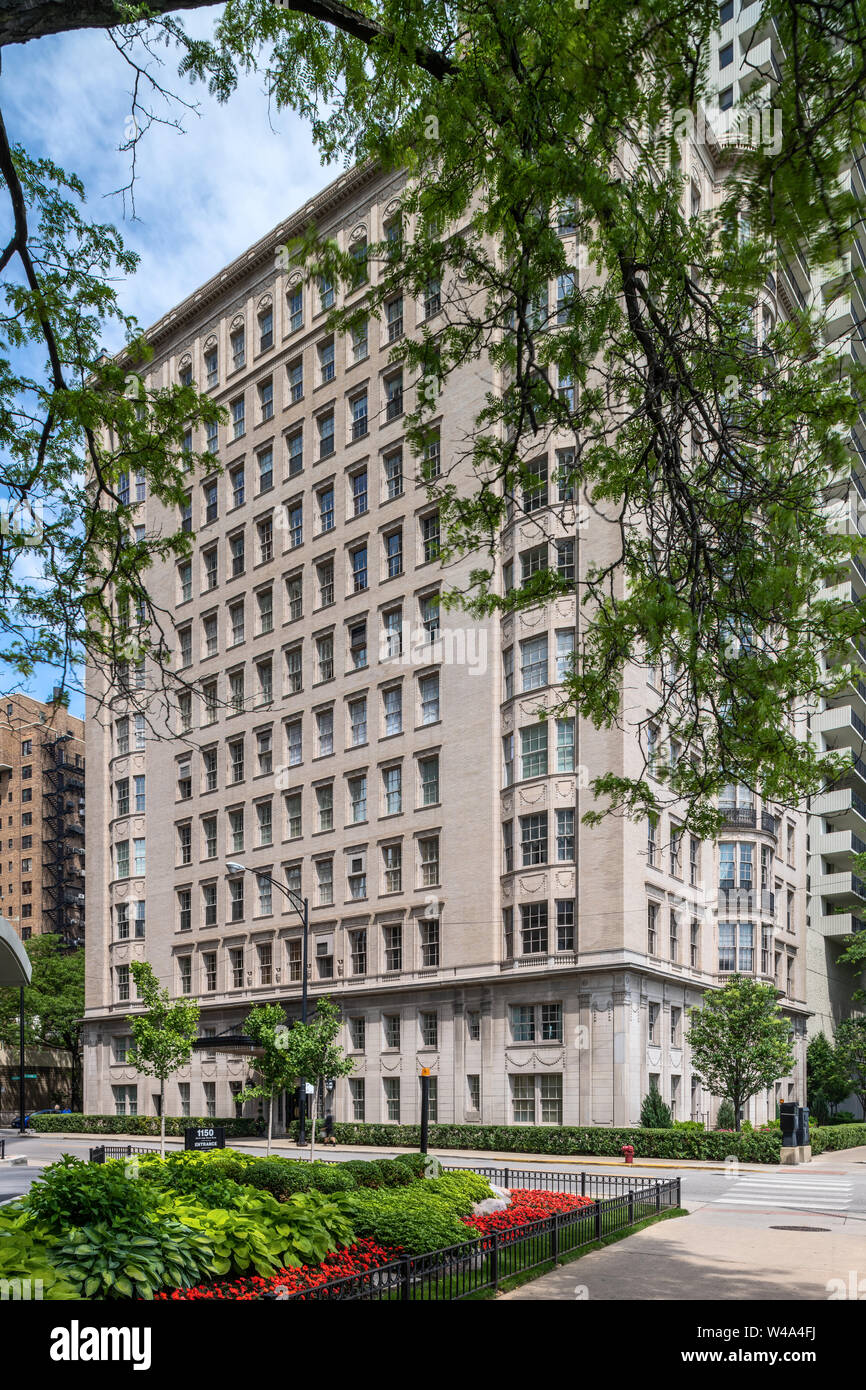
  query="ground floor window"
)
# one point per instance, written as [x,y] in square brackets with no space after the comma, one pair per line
[210,1098]
[537,1099]
[125,1100]
[357,1094]
[392,1098]
[183,1089]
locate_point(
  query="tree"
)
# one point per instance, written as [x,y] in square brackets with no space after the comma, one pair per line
[851,1054]
[740,1041]
[654,1114]
[266,1025]
[727,1116]
[826,1083]
[314,1054]
[163,1036]
[707,452]
[53,1004]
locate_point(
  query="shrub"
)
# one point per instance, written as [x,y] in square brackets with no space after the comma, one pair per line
[726,1118]
[74,1193]
[654,1114]
[831,1137]
[415,1219]
[841,1117]
[459,1190]
[567,1139]
[694,1125]
[140,1124]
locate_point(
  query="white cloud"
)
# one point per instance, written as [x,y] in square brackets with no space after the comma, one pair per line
[201,197]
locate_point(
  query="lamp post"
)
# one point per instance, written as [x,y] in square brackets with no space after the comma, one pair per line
[301,907]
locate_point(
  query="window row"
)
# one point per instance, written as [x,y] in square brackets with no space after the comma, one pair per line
[533,741]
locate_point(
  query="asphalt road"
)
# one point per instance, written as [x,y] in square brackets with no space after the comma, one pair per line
[832,1187]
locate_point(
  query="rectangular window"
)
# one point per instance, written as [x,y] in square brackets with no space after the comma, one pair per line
[652,928]
[266,404]
[358,961]
[565,836]
[393,465]
[358,722]
[239,424]
[358,408]
[533,927]
[429,1028]
[565,938]
[296,307]
[358,1097]
[533,663]
[325,733]
[294,745]
[533,751]
[428,689]
[428,769]
[533,839]
[429,930]
[392,784]
[359,569]
[325,882]
[394,396]
[392,1098]
[358,799]
[393,940]
[295,451]
[392,865]
[394,553]
[392,709]
[428,852]
[326,434]
[394,318]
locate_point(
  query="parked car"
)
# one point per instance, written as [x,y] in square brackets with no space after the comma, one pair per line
[27,1118]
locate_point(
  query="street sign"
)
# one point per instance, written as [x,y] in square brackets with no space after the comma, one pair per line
[204,1137]
[311,1090]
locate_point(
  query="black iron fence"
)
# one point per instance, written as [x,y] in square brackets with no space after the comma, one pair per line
[577,1184]
[103,1151]
[462,1271]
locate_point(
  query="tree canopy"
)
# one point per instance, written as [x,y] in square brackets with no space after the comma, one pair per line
[543,145]
[740,1040]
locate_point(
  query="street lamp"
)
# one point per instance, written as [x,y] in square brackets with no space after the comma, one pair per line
[301,907]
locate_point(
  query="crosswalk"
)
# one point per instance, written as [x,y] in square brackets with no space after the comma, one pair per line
[788,1192]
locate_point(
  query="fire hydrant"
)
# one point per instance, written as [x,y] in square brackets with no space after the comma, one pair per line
[628,1150]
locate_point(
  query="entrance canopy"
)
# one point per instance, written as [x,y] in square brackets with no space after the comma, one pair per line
[15,966]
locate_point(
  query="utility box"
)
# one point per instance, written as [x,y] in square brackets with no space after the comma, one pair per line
[803,1125]
[788,1122]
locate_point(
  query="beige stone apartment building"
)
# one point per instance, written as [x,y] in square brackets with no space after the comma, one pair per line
[387,760]
[42,810]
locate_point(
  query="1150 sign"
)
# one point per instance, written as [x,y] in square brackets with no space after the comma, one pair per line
[204,1137]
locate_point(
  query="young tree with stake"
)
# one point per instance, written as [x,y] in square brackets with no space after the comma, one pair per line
[740,1041]
[313,1052]
[266,1025]
[162,1038]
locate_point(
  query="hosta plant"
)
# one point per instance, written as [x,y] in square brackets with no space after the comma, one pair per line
[111,1261]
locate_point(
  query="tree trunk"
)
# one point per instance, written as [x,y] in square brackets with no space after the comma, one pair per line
[313,1109]
[162,1117]
[270,1123]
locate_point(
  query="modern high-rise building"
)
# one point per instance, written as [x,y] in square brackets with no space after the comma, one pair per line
[344,736]
[42,818]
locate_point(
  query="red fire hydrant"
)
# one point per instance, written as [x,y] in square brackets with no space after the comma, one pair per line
[628,1150]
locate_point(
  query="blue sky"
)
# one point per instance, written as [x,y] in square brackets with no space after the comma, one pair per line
[201,196]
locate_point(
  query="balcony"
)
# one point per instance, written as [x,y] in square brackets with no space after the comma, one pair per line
[845,888]
[744,816]
[841,727]
[843,807]
[839,924]
[838,842]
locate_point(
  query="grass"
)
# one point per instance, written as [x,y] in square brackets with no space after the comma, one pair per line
[443,1290]
[526,1277]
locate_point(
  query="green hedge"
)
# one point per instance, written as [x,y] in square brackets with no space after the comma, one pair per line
[138,1124]
[756,1147]
[826,1137]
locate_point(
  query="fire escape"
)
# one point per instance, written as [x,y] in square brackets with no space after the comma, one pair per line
[63,842]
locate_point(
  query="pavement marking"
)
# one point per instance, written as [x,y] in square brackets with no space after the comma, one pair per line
[789,1193]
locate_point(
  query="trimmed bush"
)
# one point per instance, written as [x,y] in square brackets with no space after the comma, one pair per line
[140,1124]
[412,1219]
[759,1147]
[654,1114]
[828,1137]
[726,1118]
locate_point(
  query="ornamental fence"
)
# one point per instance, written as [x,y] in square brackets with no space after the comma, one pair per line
[462,1271]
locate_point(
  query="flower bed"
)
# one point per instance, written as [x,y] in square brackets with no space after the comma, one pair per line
[527,1204]
[364,1255]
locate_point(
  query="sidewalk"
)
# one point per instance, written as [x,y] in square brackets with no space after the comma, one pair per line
[480,1157]
[708,1256]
